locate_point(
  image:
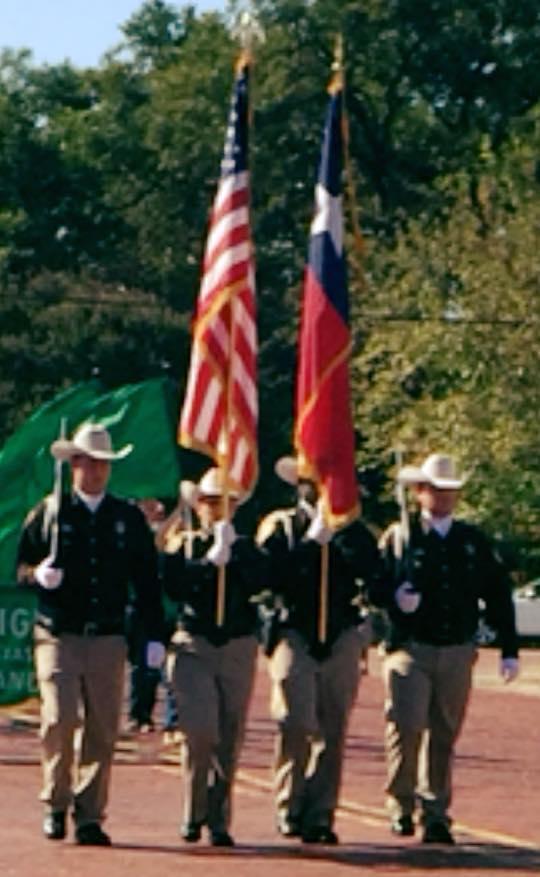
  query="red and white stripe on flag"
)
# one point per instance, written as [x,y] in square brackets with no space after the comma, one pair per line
[219,414]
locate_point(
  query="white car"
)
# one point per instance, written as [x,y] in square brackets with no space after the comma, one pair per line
[527,603]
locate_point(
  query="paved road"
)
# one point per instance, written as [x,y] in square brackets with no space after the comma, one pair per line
[496,804]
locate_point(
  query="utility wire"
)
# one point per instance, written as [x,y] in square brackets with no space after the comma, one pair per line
[368,316]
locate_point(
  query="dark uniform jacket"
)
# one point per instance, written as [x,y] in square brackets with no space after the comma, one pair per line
[102,554]
[295,577]
[193,585]
[452,574]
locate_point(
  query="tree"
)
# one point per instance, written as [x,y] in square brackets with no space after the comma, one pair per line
[155,32]
[107,177]
[61,331]
[452,361]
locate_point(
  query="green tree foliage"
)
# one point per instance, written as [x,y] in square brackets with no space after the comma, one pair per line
[61,330]
[156,32]
[451,360]
[107,176]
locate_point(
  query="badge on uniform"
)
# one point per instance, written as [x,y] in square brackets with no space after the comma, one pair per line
[120,530]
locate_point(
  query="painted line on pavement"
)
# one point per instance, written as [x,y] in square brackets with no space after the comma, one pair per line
[376,817]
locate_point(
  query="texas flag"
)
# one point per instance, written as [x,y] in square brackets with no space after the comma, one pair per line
[324,436]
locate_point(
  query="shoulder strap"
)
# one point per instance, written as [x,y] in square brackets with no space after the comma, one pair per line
[269,524]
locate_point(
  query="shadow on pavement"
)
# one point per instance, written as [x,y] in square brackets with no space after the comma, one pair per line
[478,857]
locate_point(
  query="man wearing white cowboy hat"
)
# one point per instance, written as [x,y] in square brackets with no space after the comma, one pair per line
[314,678]
[82,552]
[212,578]
[437,573]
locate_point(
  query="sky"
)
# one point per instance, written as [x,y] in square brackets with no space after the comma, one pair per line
[76,30]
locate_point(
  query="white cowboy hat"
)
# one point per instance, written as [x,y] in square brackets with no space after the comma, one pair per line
[212,485]
[188,492]
[439,470]
[286,468]
[92,440]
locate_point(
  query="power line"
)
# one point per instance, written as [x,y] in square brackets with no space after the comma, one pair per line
[104,301]
[368,316]
[448,321]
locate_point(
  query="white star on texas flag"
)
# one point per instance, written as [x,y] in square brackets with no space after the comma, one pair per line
[328,217]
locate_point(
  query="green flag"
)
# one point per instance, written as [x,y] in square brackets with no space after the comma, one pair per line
[142,414]
[17,610]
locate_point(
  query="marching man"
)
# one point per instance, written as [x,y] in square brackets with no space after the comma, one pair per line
[314,672]
[212,657]
[81,552]
[438,574]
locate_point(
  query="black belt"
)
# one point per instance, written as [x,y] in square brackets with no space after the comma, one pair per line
[440,642]
[89,628]
[93,628]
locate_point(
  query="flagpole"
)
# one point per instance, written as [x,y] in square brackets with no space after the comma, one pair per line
[247,33]
[323,596]
[226,391]
[336,83]
[57,494]
[220,600]
[221,584]
[188,519]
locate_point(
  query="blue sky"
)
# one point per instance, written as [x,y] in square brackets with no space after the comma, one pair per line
[78,30]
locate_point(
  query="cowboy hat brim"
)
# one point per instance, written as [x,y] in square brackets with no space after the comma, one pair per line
[63,449]
[211,486]
[189,492]
[415,475]
[217,494]
[286,468]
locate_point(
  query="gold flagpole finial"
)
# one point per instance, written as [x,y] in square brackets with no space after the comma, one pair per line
[337,64]
[337,81]
[248,32]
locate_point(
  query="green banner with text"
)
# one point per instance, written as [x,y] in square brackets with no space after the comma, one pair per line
[17,678]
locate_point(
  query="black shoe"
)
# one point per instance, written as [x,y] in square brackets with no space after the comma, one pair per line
[288,827]
[92,835]
[402,825]
[221,839]
[319,834]
[54,825]
[191,832]
[437,833]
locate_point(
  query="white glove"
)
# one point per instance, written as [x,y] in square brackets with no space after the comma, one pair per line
[224,533]
[407,598]
[509,669]
[318,530]
[155,655]
[224,536]
[219,554]
[47,575]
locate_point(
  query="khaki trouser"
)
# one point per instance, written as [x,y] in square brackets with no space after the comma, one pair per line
[311,701]
[213,685]
[81,681]
[427,691]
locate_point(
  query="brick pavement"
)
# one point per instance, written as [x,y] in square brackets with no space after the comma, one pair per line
[496,806]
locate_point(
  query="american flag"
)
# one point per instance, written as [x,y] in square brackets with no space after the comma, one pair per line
[219,414]
[324,435]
